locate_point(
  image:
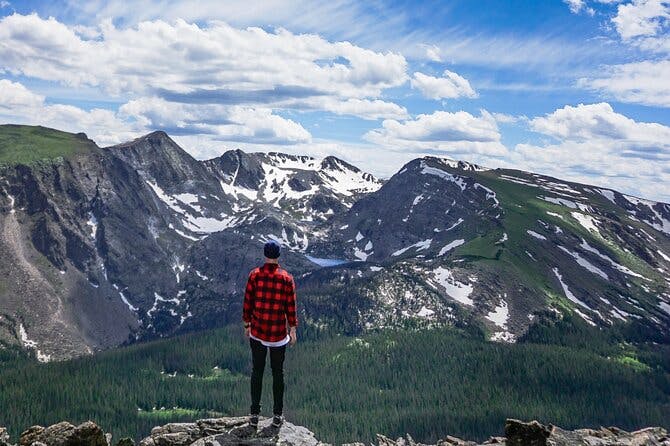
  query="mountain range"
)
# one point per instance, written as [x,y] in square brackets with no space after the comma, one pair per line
[105,246]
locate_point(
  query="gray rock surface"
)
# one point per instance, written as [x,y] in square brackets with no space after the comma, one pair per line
[4,437]
[229,431]
[64,434]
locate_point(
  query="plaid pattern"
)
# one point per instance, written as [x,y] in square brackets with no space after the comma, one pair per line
[269,302]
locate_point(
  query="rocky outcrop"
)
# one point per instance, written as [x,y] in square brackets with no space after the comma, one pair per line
[519,433]
[230,431]
[4,437]
[64,434]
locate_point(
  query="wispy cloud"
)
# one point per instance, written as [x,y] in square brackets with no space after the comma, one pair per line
[639,83]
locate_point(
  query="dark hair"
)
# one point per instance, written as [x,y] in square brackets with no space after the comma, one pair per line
[271,249]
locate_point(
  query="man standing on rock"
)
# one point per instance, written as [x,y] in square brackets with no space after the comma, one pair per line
[269,303]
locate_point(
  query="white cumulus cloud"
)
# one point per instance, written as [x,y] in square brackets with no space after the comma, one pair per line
[234,123]
[577,6]
[451,85]
[191,63]
[19,105]
[641,18]
[643,82]
[458,132]
[595,144]
[600,121]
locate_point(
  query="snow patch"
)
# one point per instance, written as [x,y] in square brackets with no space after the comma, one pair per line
[296,243]
[662,224]
[457,290]
[425,312]
[536,235]
[499,315]
[194,223]
[560,201]
[587,221]
[126,301]
[607,194]
[585,263]
[503,239]
[450,246]
[421,245]
[158,299]
[503,336]
[29,343]
[490,194]
[572,297]
[459,181]
[460,220]
[12,201]
[236,191]
[585,245]
[93,223]
[362,255]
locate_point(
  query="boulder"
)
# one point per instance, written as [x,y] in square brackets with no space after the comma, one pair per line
[4,437]
[449,440]
[653,436]
[64,434]
[229,431]
[520,433]
[30,435]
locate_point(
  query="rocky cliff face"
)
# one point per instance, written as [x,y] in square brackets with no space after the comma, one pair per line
[104,246]
[99,246]
[236,431]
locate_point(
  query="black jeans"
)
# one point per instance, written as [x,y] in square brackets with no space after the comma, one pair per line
[258,354]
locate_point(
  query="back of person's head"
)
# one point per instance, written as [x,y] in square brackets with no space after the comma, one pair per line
[272,249]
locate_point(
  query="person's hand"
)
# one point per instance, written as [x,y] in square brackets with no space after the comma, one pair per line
[293,336]
[247,331]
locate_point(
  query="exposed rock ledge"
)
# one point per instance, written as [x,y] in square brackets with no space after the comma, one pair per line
[236,431]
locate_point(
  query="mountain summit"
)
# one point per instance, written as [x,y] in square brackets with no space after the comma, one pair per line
[139,240]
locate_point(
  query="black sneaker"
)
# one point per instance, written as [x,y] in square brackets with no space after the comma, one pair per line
[253,420]
[277,420]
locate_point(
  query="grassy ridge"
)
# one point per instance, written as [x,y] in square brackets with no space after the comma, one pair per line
[22,144]
[429,383]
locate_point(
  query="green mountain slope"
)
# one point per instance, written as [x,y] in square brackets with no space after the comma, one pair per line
[21,144]
[503,248]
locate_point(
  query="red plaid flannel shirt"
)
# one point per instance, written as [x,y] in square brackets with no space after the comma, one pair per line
[269,302]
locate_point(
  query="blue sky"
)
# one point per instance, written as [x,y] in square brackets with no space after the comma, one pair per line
[576,89]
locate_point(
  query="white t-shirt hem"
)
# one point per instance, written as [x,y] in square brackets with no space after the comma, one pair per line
[272,344]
